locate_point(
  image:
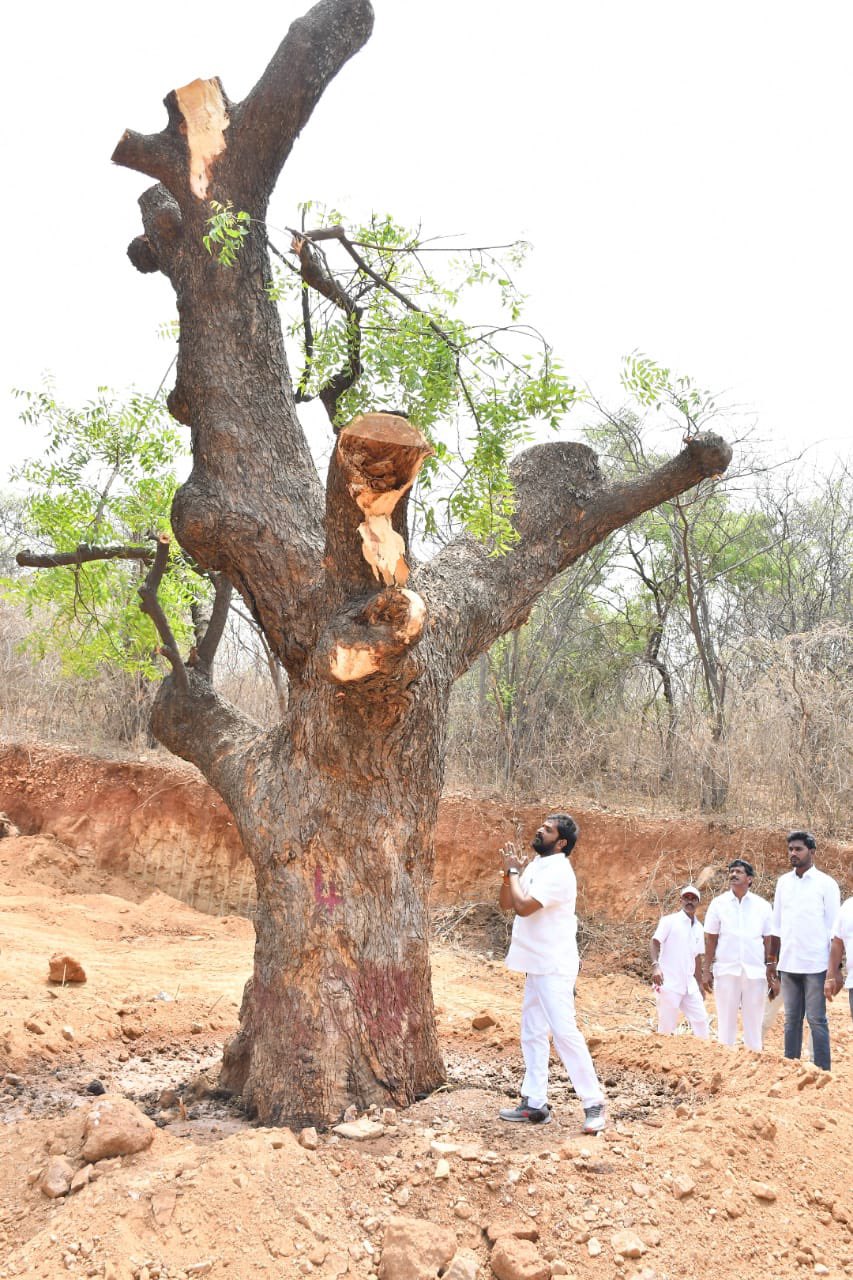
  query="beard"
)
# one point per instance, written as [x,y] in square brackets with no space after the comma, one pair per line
[537,843]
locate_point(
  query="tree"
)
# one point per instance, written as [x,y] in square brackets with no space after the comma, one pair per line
[106,479]
[336,806]
[679,555]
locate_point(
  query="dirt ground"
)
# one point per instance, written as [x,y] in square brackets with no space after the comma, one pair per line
[717,1160]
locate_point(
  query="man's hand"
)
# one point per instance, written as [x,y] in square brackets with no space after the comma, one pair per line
[512,858]
[832,985]
[707,983]
[657,975]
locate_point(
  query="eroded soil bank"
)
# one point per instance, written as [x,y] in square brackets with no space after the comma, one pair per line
[160,826]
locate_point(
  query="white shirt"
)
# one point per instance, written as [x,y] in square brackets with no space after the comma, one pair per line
[843,928]
[547,940]
[740,926]
[681,941]
[804,910]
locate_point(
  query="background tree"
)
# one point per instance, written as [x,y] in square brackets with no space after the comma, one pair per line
[103,485]
[335,805]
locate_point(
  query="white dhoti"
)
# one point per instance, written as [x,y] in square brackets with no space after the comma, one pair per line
[671,1005]
[736,991]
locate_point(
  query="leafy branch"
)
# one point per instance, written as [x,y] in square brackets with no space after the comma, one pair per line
[378,328]
[228,230]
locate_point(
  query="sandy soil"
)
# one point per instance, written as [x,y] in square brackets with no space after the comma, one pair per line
[717,1160]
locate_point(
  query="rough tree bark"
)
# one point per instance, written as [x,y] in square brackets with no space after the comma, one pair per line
[336,806]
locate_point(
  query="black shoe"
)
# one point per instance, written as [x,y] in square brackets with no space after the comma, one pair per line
[524,1112]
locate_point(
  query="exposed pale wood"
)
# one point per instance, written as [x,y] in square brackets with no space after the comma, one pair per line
[383,550]
[380,455]
[391,623]
[202,105]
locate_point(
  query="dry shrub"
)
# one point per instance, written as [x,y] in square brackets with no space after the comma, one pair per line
[791,732]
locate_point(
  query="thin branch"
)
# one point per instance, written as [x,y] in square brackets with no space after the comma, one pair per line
[83,555]
[337,233]
[150,605]
[316,275]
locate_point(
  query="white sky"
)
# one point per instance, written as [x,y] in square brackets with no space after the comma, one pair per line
[682,169]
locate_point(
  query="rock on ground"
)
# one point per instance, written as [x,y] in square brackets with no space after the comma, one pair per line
[415,1250]
[56,1179]
[65,968]
[115,1127]
[514,1259]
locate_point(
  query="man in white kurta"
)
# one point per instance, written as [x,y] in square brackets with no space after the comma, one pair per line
[544,946]
[842,942]
[738,927]
[676,948]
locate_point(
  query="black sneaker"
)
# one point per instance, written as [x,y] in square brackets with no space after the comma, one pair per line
[524,1112]
[593,1119]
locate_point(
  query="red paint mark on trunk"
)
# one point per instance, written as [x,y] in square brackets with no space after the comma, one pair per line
[328,898]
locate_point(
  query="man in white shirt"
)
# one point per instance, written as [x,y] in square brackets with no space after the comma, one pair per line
[676,949]
[804,910]
[738,928]
[842,941]
[544,946]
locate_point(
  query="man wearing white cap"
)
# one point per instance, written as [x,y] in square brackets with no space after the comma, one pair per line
[738,928]
[676,949]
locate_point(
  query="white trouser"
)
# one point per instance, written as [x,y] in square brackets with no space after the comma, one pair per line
[671,1005]
[549,1005]
[733,992]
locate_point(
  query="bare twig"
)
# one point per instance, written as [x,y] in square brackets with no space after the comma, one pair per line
[150,605]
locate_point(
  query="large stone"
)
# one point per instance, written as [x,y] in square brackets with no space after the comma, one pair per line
[7,827]
[360,1130]
[627,1244]
[683,1186]
[65,969]
[56,1179]
[414,1249]
[81,1178]
[115,1127]
[514,1259]
[482,1021]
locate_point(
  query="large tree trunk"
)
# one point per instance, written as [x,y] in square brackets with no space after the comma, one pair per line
[336,809]
[336,806]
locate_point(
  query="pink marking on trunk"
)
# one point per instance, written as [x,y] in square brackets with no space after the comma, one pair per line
[329,898]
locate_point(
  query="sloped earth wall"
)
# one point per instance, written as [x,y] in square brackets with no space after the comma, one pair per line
[158,825]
